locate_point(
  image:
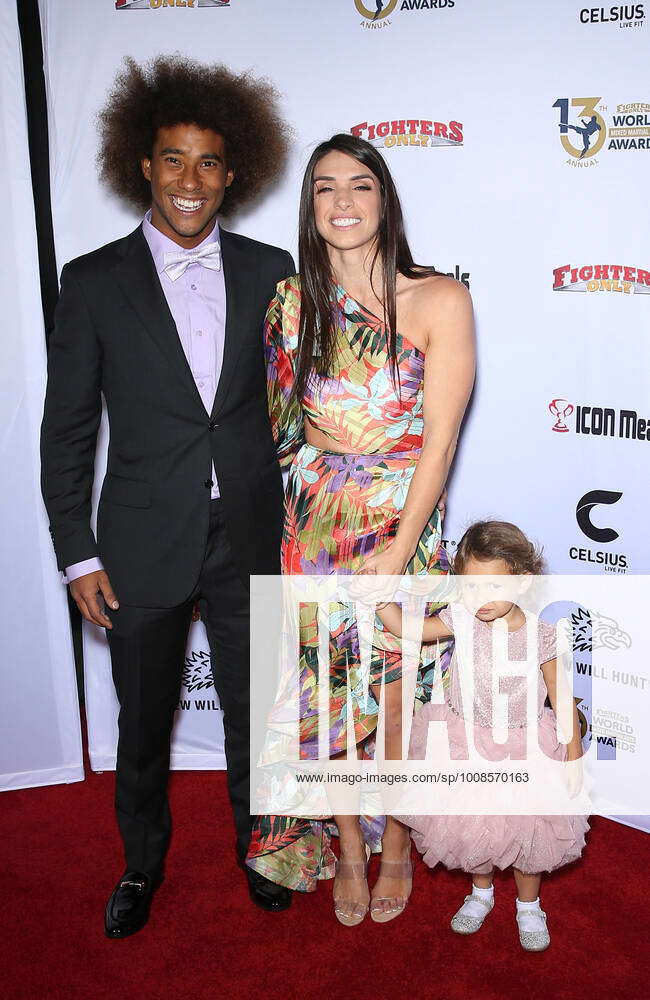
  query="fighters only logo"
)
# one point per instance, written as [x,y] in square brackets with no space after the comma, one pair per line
[149,4]
[423,132]
[601,278]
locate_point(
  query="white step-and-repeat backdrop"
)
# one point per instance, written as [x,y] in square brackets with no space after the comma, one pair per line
[519,137]
[40,735]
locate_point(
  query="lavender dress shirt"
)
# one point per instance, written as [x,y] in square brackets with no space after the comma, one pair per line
[197,302]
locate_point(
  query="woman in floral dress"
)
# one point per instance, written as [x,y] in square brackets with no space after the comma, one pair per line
[370,362]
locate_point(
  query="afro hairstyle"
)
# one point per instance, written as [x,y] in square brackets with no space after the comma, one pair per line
[173,90]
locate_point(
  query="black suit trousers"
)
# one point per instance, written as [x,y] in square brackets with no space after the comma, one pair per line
[147,653]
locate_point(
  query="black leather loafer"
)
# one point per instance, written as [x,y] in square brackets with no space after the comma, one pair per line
[266,894]
[127,911]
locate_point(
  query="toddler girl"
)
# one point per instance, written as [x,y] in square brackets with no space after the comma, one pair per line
[478,844]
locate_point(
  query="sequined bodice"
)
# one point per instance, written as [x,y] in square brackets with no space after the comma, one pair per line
[476,650]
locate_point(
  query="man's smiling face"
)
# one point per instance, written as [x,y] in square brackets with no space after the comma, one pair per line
[189,176]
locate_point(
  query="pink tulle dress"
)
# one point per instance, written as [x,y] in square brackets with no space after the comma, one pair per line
[477,844]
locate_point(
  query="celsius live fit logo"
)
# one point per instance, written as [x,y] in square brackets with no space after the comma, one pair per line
[588,516]
[149,4]
[411,132]
[628,15]
[583,129]
[601,278]
[376,13]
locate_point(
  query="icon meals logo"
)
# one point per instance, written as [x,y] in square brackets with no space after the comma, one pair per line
[148,4]
[411,132]
[601,278]
[561,408]
[599,421]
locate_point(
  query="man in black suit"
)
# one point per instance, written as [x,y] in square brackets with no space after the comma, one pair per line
[166,325]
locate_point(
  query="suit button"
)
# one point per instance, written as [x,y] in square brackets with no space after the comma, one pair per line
[208,484]
[213,424]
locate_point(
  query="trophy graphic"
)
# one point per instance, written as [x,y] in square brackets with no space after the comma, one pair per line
[560,408]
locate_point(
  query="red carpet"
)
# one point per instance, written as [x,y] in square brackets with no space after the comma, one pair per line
[206,940]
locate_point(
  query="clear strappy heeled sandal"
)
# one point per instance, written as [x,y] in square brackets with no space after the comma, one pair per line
[351,912]
[385,908]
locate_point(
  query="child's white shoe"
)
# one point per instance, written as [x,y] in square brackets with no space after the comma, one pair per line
[472,913]
[533,932]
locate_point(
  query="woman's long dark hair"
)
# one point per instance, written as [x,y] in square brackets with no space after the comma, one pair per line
[316,338]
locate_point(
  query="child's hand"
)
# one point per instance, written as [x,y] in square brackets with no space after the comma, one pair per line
[573,777]
[390,616]
[366,587]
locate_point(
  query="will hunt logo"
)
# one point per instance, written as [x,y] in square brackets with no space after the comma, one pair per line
[197,671]
[197,676]
[591,630]
[423,132]
[149,4]
[598,421]
[376,13]
[611,562]
[629,15]
[601,278]
[583,130]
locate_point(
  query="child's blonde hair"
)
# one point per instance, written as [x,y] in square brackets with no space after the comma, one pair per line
[487,540]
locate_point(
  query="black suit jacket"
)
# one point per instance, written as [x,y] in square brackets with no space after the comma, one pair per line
[114,335]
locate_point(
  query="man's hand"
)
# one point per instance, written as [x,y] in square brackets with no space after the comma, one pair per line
[85,590]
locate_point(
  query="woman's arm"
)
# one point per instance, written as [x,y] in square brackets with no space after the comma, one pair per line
[280,344]
[549,672]
[448,379]
[433,628]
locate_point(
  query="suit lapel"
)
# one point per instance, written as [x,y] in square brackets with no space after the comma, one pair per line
[240,279]
[136,274]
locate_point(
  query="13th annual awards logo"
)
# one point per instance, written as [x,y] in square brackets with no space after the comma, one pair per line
[376,14]
[583,129]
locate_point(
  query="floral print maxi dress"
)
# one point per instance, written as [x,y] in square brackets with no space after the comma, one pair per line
[342,507]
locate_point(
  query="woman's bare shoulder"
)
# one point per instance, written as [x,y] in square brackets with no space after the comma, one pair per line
[441,290]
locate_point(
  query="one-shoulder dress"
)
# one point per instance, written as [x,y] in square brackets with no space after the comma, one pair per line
[342,507]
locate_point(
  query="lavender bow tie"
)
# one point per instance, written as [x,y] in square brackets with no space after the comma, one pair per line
[177,263]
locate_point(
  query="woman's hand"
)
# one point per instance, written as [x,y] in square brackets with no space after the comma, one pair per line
[442,504]
[391,561]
